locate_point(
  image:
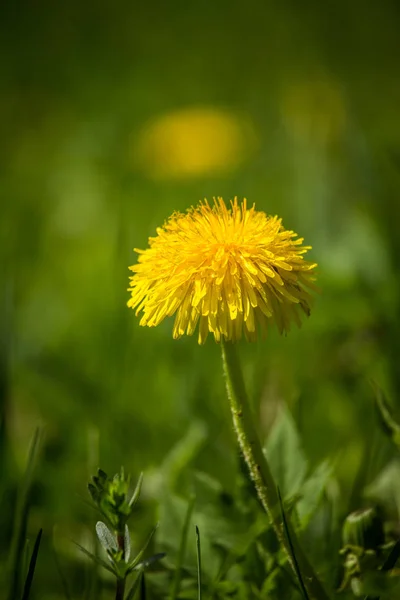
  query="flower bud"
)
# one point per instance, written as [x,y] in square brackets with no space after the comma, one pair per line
[364,529]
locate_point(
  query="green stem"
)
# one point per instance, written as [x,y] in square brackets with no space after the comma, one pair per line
[120,591]
[260,472]
[121,581]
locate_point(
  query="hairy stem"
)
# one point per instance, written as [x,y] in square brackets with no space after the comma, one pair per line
[260,472]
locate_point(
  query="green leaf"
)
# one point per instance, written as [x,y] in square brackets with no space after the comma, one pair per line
[96,559]
[379,584]
[139,556]
[311,492]
[285,455]
[135,587]
[390,426]
[198,549]
[106,538]
[149,561]
[183,453]
[296,564]
[32,565]
[386,486]
[218,514]
[172,513]
[136,493]
[127,543]
[392,558]
[388,564]
[182,551]
[21,518]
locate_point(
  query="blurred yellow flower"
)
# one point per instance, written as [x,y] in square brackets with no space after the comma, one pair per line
[193,142]
[228,269]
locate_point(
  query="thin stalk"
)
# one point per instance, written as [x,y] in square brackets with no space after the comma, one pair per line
[260,472]
[176,582]
[32,566]
[121,581]
[21,518]
[120,592]
[198,548]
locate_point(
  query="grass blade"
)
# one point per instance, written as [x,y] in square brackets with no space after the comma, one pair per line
[139,556]
[198,548]
[176,582]
[135,586]
[388,564]
[392,558]
[32,565]
[21,519]
[143,588]
[296,565]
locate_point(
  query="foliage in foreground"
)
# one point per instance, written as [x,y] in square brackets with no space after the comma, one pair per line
[219,545]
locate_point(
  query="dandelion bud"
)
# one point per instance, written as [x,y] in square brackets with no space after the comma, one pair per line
[363,529]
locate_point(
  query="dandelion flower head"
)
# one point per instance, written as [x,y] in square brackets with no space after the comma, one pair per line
[228,270]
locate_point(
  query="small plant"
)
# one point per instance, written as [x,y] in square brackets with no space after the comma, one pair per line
[112,498]
[367,558]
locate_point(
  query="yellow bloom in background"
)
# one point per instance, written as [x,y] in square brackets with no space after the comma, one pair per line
[227,269]
[193,142]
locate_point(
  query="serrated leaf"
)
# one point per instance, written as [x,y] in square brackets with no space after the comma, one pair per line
[285,455]
[218,514]
[223,526]
[106,538]
[172,512]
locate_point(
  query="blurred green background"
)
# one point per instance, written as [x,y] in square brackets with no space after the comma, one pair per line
[115,115]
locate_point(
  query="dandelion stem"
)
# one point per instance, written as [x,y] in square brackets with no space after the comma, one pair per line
[260,472]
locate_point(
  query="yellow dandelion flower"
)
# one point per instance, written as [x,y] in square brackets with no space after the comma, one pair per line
[228,270]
